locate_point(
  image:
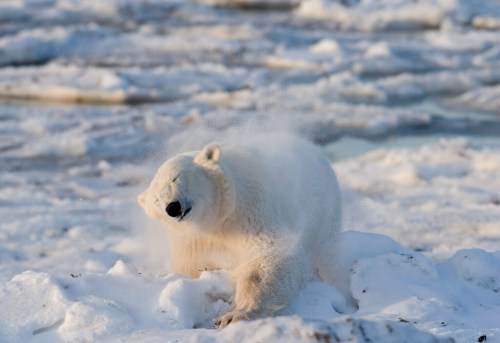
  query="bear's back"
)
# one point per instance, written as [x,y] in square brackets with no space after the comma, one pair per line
[287,182]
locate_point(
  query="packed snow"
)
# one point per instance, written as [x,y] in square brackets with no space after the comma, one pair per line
[403,97]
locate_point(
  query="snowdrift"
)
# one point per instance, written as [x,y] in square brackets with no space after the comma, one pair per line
[396,291]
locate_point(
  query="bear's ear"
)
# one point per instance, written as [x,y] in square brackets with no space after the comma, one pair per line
[209,154]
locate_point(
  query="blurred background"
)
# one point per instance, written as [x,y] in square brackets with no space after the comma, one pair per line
[403,96]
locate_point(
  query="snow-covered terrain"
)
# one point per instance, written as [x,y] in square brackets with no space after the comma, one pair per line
[403,96]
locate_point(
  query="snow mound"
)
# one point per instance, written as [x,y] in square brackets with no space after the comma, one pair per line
[98,306]
[55,82]
[384,15]
[400,15]
[32,303]
[397,292]
[294,329]
[477,267]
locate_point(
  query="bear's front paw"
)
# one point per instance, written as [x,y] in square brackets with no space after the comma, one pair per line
[231,317]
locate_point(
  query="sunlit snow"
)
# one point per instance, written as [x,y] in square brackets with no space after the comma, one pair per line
[402,95]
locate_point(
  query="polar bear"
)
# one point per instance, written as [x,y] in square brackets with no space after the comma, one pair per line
[267,210]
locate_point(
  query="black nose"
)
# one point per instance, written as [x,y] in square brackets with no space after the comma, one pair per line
[174,209]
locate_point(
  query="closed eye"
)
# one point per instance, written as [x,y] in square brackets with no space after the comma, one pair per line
[175,178]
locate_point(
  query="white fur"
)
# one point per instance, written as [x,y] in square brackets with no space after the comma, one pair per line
[267,210]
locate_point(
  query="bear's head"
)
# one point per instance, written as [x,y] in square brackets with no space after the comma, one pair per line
[189,191]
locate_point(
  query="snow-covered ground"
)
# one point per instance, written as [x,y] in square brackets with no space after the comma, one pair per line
[403,96]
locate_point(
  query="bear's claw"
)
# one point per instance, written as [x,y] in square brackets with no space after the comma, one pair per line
[231,316]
